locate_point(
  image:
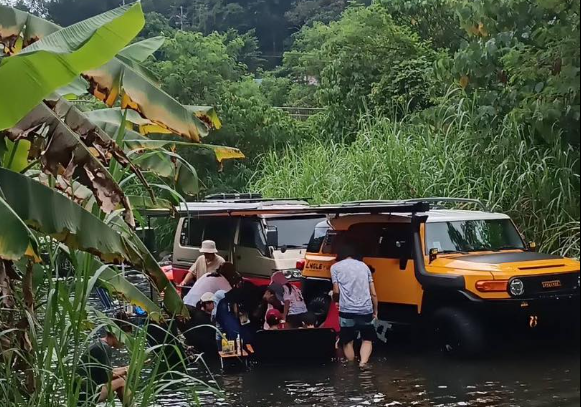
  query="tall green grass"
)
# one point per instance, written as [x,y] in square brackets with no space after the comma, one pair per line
[440,156]
[41,348]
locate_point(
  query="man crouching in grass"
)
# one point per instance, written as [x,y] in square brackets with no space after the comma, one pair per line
[99,378]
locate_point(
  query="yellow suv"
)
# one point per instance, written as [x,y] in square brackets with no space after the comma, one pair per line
[460,273]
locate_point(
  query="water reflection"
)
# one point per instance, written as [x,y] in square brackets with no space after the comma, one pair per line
[409,380]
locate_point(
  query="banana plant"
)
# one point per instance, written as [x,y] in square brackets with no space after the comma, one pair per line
[121,79]
[58,58]
[31,205]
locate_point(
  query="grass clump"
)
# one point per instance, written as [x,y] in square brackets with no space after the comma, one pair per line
[538,185]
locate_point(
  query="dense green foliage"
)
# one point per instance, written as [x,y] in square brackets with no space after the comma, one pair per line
[397,159]
[506,71]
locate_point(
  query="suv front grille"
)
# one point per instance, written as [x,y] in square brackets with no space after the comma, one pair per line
[538,286]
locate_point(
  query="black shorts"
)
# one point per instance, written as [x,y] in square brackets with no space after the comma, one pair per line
[354,327]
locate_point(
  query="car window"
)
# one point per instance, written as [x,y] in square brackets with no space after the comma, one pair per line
[221,231]
[363,238]
[395,241]
[192,232]
[251,235]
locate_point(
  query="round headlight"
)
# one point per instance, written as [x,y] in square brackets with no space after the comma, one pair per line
[297,273]
[517,287]
[288,273]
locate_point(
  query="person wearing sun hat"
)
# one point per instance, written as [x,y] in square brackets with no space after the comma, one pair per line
[208,262]
[200,331]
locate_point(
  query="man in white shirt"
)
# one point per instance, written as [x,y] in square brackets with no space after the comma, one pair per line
[209,262]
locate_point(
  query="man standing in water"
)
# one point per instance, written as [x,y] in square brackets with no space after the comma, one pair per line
[208,262]
[353,284]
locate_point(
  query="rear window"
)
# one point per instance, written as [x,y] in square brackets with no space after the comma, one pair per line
[317,239]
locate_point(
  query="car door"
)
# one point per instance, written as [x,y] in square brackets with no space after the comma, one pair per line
[394,277]
[251,254]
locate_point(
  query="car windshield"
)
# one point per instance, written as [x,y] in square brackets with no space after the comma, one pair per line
[473,236]
[294,232]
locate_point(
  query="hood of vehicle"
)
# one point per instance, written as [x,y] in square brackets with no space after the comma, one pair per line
[288,259]
[505,265]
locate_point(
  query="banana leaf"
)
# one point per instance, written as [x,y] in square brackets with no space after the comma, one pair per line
[93,136]
[113,280]
[61,152]
[144,202]
[16,155]
[138,52]
[141,50]
[109,120]
[53,214]
[119,80]
[58,58]
[171,166]
[20,29]
[16,239]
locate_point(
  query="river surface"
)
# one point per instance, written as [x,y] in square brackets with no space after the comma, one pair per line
[525,373]
[400,376]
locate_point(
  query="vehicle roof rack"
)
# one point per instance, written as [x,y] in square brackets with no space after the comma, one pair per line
[439,200]
[249,198]
[234,196]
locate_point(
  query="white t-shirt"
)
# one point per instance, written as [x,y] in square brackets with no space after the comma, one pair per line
[209,283]
[297,303]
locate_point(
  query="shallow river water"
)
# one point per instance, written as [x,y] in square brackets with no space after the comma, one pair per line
[523,373]
[398,376]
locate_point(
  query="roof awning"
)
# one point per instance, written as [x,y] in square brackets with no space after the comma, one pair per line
[250,210]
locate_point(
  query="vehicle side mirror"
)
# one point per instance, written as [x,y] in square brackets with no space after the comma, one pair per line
[532,246]
[433,254]
[272,236]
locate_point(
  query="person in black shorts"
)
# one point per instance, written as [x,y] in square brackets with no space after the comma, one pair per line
[353,284]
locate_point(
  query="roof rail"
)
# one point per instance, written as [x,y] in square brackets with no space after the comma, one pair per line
[370,202]
[437,200]
[249,198]
[230,197]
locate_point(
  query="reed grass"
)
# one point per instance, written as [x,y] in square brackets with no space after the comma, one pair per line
[58,332]
[445,155]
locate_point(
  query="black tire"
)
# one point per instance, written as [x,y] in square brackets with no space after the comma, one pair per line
[320,307]
[457,333]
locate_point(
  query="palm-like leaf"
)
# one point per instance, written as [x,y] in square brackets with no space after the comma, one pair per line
[16,239]
[58,58]
[53,214]
[110,119]
[61,152]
